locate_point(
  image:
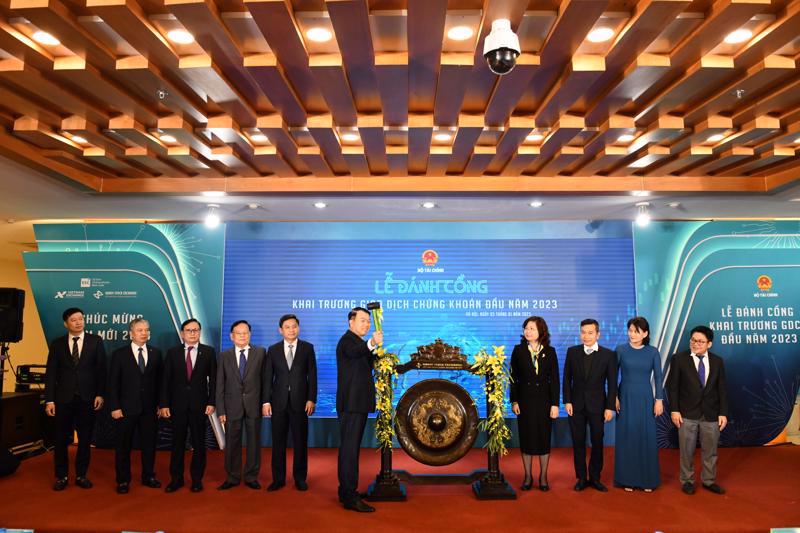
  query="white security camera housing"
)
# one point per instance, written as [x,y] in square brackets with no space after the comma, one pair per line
[501,47]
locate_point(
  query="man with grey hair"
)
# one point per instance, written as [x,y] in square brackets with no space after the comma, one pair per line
[133,384]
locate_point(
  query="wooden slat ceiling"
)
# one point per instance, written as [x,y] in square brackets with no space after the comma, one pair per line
[392,103]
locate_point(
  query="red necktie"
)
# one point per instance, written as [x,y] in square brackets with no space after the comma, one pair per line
[189,362]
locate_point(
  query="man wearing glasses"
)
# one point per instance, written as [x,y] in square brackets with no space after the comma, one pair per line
[698,398]
[188,390]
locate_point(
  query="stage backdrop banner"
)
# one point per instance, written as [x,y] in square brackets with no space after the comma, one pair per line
[470,284]
[742,279]
[116,272]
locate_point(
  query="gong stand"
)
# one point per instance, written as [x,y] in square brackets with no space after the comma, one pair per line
[487,484]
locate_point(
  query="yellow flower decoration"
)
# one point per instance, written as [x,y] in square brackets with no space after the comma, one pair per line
[494,370]
[385,375]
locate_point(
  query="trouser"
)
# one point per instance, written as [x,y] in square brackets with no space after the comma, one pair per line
[147,424]
[709,439]
[282,421]
[351,431]
[577,426]
[233,449]
[77,415]
[195,423]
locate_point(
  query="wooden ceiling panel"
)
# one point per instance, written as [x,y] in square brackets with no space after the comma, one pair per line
[391,102]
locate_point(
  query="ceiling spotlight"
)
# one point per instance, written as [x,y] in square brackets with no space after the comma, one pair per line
[674,205]
[253,206]
[212,217]
[442,137]
[738,36]
[259,138]
[600,35]
[180,37]
[42,37]
[80,140]
[535,204]
[168,138]
[459,33]
[350,137]
[641,193]
[534,137]
[626,138]
[320,205]
[213,194]
[643,216]
[715,138]
[796,141]
[428,205]
[319,35]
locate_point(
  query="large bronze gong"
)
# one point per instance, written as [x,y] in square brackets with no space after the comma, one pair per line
[436,421]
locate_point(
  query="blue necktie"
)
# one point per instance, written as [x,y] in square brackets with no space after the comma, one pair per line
[701,371]
[141,361]
[242,364]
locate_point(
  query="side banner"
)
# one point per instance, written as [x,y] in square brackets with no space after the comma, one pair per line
[742,279]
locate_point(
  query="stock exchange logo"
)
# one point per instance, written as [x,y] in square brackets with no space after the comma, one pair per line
[60,295]
[764,282]
[430,257]
[97,294]
[86,282]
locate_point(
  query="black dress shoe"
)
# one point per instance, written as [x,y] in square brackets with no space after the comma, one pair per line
[544,487]
[152,482]
[227,485]
[122,488]
[197,486]
[361,496]
[688,488]
[716,489]
[60,484]
[173,486]
[301,485]
[598,485]
[83,482]
[527,485]
[359,506]
[255,485]
[276,485]
[580,485]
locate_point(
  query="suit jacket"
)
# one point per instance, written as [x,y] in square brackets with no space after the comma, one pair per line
[355,386]
[299,383]
[128,388]
[590,393]
[183,395]
[63,379]
[236,397]
[688,397]
[526,384]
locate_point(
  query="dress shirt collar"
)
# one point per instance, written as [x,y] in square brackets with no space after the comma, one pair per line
[592,348]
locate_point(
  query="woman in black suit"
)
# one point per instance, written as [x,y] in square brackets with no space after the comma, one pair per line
[534,396]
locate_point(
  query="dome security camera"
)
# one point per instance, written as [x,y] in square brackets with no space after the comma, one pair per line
[501,47]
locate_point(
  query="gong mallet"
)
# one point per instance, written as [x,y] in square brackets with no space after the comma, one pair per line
[377,314]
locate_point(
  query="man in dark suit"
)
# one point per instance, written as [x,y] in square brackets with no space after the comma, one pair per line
[134,379]
[355,398]
[75,383]
[188,394]
[291,393]
[698,396]
[588,371]
[240,405]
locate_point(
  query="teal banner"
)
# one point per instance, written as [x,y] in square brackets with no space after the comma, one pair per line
[165,273]
[742,279]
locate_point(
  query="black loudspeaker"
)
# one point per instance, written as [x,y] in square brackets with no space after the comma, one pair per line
[12,302]
[8,462]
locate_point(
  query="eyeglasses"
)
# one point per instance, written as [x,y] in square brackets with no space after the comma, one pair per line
[698,341]
[193,330]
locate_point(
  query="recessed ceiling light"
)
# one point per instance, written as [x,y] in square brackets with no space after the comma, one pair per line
[320,205]
[674,205]
[319,35]
[442,137]
[428,205]
[212,218]
[180,37]
[459,33]
[643,214]
[797,141]
[626,138]
[738,36]
[535,204]
[715,138]
[641,193]
[213,194]
[533,137]
[600,35]
[259,138]
[350,137]
[253,206]
[42,37]
[168,138]
[80,140]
